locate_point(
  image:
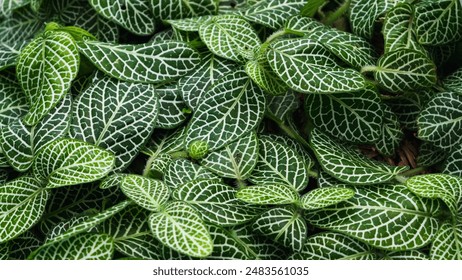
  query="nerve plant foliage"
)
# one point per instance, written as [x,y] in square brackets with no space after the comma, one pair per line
[250,129]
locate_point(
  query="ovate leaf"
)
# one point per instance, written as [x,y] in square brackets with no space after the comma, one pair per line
[268,194]
[181,171]
[391,133]
[273,13]
[454,81]
[324,197]
[13,102]
[172,108]
[147,193]
[453,163]
[166,9]
[447,243]
[9,53]
[21,26]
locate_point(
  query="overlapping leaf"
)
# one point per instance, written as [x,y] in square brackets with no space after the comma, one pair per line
[9,54]
[8,6]
[391,133]
[21,26]
[13,102]
[166,9]
[147,193]
[269,194]
[430,155]
[172,108]
[182,171]
[447,243]
[453,163]
[282,106]
[326,196]
[23,245]
[273,13]
[454,81]
[291,143]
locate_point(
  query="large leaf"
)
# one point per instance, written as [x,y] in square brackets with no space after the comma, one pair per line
[180,227]
[355,117]
[348,165]
[21,26]
[387,217]
[9,53]
[7,6]
[13,102]
[166,9]
[147,193]
[23,245]
[326,196]
[117,116]
[447,243]
[440,122]
[229,36]
[135,16]
[273,13]
[145,63]
[45,69]
[269,194]
[70,162]
[181,171]
[20,142]
[216,202]
[230,109]
[22,203]
[307,66]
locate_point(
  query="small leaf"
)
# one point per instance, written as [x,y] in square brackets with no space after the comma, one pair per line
[453,163]
[391,133]
[147,193]
[8,6]
[171,107]
[273,13]
[294,145]
[168,141]
[69,162]
[180,227]
[282,106]
[268,194]
[9,53]
[166,9]
[454,81]
[13,102]
[325,197]
[182,171]
[430,155]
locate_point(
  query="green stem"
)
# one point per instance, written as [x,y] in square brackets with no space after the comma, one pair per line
[275,35]
[368,68]
[313,174]
[338,13]
[179,154]
[241,183]
[412,172]
[148,166]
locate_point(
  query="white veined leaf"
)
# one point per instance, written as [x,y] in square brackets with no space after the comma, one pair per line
[4,161]
[117,116]
[294,145]
[391,133]
[7,6]
[144,63]
[80,247]
[307,66]
[191,24]
[229,36]
[215,202]
[230,109]
[235,160]
[453,163]
[430,155]
[3,176]
[62,227]
[261,73]
[447,243]
[446,187]
[67,162]
[283,106]
[387,217]
[20,142]
[21,26]
[168,141]
[45,70]
[22,203]
[301,25]
[172,108]
[273,13]
[438,22]
[440,122]
[4,251]
[135,16]
[354,117]
[269,194]
[9,53]
[147,193]
[441,54]
[180,227]
[325,180]
[454,81]
[158,166]
[23,245]
[166,9]
[181,171]
[405,70]
[283,225]
[279,164]
[113,180]
[348,165]
[13,102]
[323,197]
[312,7]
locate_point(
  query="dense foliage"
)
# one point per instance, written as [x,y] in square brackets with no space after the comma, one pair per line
[231,129]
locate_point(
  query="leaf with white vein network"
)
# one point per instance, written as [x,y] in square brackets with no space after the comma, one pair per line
[180,227]
[324,197]
[447,243]
[279,164]
[21,26]
[354,117]
[307,66]
[20,142]
[391,133]
[289,142]
[117,116]
[23,245]
[230,109]
[388,217]
[346,164]
[148,193]
[300,24]
[215,202]
[235,160]
[144,63]
[438,22]
[171,107]
[135,16]
[269,194]
[453,163]
[9,53]
[45,70]
[68,162]
[283,225]
[3,176]
[229,36]
[440,122]
[8,6]
[80,247]
[191,24]
[454,81]
[166,9]
[13,102]
[282,106]
[430,155]
[273,13]
[261,73]
[181,171]
[22,203]
[405,70]
[113,180]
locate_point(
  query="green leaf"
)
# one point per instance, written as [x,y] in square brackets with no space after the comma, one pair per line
[80,247]
[235,160]
[354,117]
[387,217]
[23,245]
[180,227]
[282,106]
[268,194]
[430,155]
[348,165]
[7,6]
[447,243]
[135,16]
[3,176]
[391,133]
[283,225]
[70,162]
[454,81]
[438,22]
[307,66]
[302,25]
[172,108]
[45,70]
[230,109]
[22,203]
[405,70]
[312,7]
[453,163]
[166,9]
[440,122]
[13,102]
[21,26]
[20,142]
[9,53]
[324,197]
[291,143]
[113,180]
[147,193]
[279,164]
[168,141]
[117,116]
[182,171]
[215,202]
[229,36]
[191,24]
[273,13]
[145,63]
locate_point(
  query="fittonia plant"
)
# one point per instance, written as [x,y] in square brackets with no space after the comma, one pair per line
[250,129]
